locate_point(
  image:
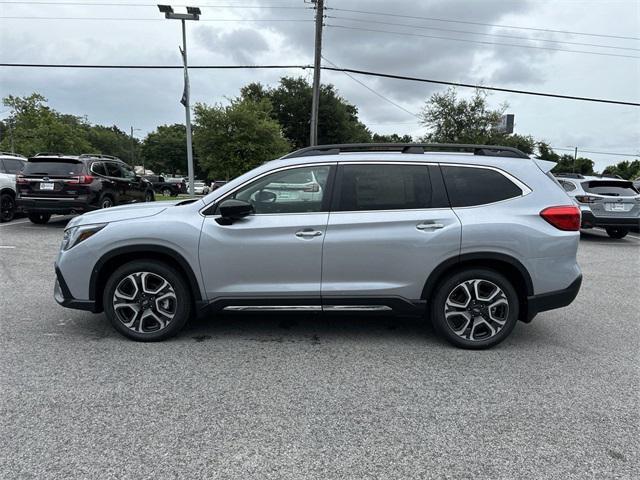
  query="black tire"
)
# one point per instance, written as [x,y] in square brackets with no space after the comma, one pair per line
[167,192]
[468,327]
[617,233]
[149,196]
[39,218]
[106,201]
[7,207]
[120,279]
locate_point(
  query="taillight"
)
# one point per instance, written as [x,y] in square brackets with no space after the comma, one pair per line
[563,218]
[20,180]
[82,179]
[314,188]
[586,199]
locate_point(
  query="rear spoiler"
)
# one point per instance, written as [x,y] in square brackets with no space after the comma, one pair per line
[544,165]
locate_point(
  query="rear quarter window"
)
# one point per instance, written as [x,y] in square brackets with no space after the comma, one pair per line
[469,186]
[55,167]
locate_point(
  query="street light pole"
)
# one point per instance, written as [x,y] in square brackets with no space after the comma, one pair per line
[193,13]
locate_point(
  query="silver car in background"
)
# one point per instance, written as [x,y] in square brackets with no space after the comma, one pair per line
[472,237]
[606,202]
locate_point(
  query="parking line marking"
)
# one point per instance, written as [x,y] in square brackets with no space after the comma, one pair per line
[14,223]
[7,246]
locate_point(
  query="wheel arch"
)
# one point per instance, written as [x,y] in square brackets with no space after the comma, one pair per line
[112,260]
[507,265]
[8,191]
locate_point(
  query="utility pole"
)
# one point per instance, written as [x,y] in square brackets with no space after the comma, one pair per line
[133,160]
[575,158]
[193,13]
[315,102]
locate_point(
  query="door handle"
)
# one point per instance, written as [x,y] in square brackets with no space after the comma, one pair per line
[429,226]
[308,233]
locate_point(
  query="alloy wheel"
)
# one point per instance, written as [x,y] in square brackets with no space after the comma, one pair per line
[145,302]
[476,309]
[7,206]
[106,203]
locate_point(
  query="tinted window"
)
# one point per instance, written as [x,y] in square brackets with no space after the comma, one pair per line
[13,166]
[468,186]
[55,167]
[98,169]
[384,187]
[127,172]
[298,190]
[568,186]
[113,170]
[604,187]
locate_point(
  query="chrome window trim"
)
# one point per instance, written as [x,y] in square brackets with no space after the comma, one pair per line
[275,170]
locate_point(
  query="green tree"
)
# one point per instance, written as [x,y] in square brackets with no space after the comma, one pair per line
[450,119]
[164,150]
[37,128]
[629,170]
[291,106]
[233,139]
[113,141]
[391,138]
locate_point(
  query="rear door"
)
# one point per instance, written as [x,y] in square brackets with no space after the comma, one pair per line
[390,225]
[135,185]
[121,185]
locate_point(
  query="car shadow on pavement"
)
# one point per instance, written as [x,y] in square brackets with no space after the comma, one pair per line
[602,237]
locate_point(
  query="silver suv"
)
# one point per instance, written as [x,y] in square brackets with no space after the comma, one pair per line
[473,237]
[611,203]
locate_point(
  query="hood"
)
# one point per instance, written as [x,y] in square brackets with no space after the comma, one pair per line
[124,212]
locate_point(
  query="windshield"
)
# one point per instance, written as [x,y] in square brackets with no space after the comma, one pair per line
[610,188]
[55,167]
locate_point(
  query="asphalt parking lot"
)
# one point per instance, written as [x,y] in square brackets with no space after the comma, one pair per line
[296,397]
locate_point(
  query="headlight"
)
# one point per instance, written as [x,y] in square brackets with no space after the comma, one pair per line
[74,235]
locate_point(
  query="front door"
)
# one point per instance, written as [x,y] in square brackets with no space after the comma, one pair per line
[274,254]
[389,227]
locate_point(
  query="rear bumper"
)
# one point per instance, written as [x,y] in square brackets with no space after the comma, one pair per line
[589,220]
[552,300]
[50,205]
[63,296]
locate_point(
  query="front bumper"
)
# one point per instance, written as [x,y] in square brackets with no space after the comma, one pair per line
[50,205]
[589,220]
[552,300]
[63,296]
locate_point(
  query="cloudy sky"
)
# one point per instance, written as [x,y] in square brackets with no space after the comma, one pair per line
[281,32]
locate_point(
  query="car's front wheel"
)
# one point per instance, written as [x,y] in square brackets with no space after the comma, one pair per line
[166,192]
[147,300]
[617,232]
[475,308]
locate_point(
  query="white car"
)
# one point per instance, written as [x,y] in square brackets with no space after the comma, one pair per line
[200,188]
[7,197]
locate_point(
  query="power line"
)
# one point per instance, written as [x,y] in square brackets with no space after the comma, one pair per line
[434,19]
[373,91]
[497,35]
[109,4]
[599,153]
[346,27]
[126,19]
[350,70]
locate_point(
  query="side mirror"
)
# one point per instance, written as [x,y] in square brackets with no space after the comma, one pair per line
[232,209]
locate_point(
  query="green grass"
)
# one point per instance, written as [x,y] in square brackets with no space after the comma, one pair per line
[165,198]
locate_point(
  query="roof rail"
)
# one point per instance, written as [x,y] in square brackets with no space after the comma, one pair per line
[12,154]
[49,154]
[98,155]
[569,175]
[490,150]
[611,175]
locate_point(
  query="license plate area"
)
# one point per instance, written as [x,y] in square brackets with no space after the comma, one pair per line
[617,207]
[47,186]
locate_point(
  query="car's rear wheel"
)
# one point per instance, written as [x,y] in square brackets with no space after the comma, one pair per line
[106,201]
[147,301]
[617,232]
[39,218]
[7,207]
[475,308]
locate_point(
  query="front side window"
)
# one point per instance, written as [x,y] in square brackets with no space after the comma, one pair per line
[113,170]
[383,187]
[469,186]
[297,190]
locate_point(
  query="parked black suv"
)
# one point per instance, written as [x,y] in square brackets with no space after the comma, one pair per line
[63,184]
[161,185]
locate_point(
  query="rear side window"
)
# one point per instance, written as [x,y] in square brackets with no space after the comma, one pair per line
[55,167]
[12,166]
[384,187]
[469,186]
[614,189]
[98,169]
